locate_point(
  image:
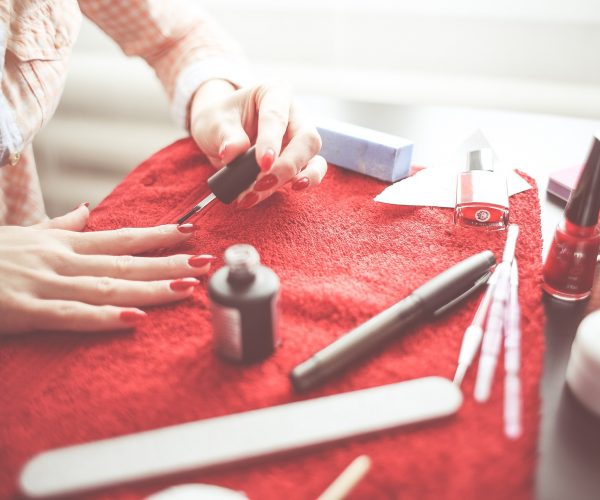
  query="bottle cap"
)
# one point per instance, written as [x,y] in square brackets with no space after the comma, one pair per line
[480,159]
[583,369]
[584,203]
[242,260]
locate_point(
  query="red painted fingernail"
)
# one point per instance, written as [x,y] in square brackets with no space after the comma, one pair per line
[86,204]
[300,184]
[267,182]
[183,284]
[201,260]
[132,316]
[248,200]
[186,228]
[267,160]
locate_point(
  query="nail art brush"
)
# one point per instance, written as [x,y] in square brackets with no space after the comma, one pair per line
[227,183]
[492,337]
[474,333]
[512,359]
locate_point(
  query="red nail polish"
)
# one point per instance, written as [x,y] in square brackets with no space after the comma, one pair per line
[300,184]
[265,183]
[267,160]
[569,267]
[132,316]
[481,193]
[248,200]
[201,260]
[186,228]
[182,285]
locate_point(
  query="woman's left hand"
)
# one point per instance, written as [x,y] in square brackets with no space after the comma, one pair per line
[225,122]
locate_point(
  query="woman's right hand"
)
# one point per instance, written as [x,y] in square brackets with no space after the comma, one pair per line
[55,277]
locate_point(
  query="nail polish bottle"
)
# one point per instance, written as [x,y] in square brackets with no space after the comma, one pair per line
[570,265]
[244,297]
[481,193]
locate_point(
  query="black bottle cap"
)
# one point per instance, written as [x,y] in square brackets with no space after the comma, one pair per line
[584,202]
[232,179]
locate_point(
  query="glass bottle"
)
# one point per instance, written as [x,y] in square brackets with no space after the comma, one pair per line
[570,266]
[244,298]
[481,193]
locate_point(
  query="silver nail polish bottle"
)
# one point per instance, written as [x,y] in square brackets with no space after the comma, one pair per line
[244,304]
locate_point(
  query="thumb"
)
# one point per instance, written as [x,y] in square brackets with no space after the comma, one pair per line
[75,220]
[235,142]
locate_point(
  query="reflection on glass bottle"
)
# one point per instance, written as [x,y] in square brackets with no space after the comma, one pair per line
[481,193]
[571,262]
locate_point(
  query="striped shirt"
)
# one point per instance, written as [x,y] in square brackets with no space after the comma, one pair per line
[180,41]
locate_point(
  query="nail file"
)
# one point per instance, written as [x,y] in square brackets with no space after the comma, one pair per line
[237,437]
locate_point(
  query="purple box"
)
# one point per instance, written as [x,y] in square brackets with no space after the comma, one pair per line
[370,152]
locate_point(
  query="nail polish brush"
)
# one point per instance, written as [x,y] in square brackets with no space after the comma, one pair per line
[229,182]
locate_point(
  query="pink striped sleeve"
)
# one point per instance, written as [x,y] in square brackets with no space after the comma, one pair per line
[183,44]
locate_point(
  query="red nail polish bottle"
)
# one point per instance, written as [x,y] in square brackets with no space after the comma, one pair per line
[570,265]
[481,193]
[244,297]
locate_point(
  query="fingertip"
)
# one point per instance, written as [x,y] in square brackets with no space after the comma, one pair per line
[266,161]
[223,150]
[85,204]
[184,285]
[301,184]
[131,317]
[248,200]
[201,261]
[233,147]
[186,228]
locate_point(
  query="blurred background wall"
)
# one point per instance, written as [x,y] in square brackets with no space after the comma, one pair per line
[537,56]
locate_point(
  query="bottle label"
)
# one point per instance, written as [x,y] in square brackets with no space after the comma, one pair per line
[227,327]
[482,215]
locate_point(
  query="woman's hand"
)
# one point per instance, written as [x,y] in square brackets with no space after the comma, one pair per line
[54,277]
[225,122]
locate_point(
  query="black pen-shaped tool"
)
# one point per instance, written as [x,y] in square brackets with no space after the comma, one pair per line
[429,300]
[227,184]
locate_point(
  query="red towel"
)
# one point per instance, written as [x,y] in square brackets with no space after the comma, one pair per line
[341,258]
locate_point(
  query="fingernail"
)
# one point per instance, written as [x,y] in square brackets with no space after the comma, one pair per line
[86,204]
[132,316]
[184,284]
[267,160]
[300,184]
[201,260]
[267,182]
[248,200]
[222,150]
[186,228]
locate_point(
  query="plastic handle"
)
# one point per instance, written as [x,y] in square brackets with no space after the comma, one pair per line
[232,179]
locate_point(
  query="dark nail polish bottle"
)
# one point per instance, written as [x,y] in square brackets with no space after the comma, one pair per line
[570,265]
[481,193]
[244,297]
